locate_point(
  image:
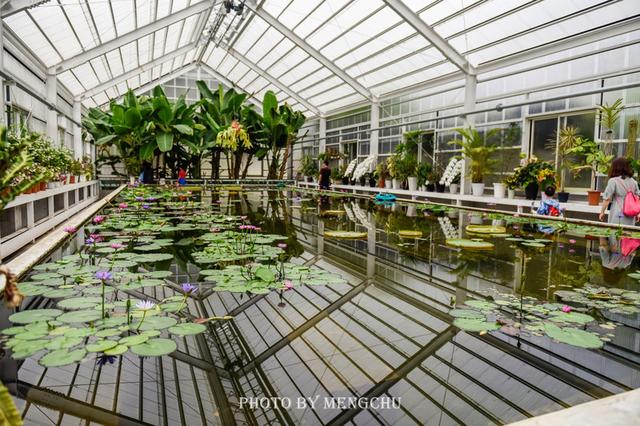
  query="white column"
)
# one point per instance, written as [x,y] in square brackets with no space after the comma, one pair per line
[322,134]
[78,146]
[52,114]
[471,83]
[3,114]
[375,134]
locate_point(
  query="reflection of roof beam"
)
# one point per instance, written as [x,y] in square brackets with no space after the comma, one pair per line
[12,7]
[130,37]
[74,407]
[262,73]
[137,71]
[313,52]
[399,373]
[312,322]
[413,19]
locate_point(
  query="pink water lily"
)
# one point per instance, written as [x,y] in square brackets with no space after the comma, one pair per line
[98,219]
[282,246]
[123,205]
[572,241]
[116,246]
[566,309]
[288,285]
[70,229]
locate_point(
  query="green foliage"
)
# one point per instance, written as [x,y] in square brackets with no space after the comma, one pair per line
[533,171]
[309,166]
[16,174]
[610,114]
[594,158]
[567,140]
[423,172]
[477,150]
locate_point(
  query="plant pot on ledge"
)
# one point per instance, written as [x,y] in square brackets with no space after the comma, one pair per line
[563,197]
[593,197]
[431,187]
[440,187]
[531,191]
[477,189]
[345,180]
[372,182]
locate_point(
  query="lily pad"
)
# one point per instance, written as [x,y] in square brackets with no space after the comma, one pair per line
[345,235]
[80,302]
[101,345]
[464,313]
[80,316]
[573,336]
[410,234]
[62,357]
[116,350]
[486,229]
[133,340]
[33,315]
[155,323]
[187,329]
[155,347]
[469,244]
[575,317]
[475,324]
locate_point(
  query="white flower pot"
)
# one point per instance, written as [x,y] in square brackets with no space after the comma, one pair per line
[387,184]
[132,180]
[498,190]
[454,188]
[396,183]
[476,219]
[422,188]
[411,210]
[477,189]
[511,193]
[413,183]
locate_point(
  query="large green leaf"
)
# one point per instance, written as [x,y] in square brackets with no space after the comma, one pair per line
[33,315]
[106,139]
[164,141]
[132,117]
[155,347]
[184,129]
[62,357]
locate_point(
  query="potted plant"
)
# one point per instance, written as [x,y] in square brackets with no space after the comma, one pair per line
[451,175]
[392,163]
[363,171]
[534,174]
[567,140]
[423,171]
[431,182]
[512,183]
[75,170]
[407,169]
[382,173]
[478,153]
[454,186]
[337,173]
[595,160]
[87,168]
[608,116]
[309,168]
[348,173]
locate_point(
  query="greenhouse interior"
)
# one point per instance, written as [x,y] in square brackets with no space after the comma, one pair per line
[308,212]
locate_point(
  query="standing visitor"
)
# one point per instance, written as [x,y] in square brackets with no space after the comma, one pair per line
[182,176]
[325,175]
[147,173]
[620,183]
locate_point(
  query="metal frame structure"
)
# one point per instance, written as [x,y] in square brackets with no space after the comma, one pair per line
[319,78]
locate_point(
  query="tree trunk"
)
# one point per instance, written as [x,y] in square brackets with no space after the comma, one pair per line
[238,164]
[285,158]
[246,166]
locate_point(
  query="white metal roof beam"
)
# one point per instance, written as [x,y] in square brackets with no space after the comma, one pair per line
[431,35]
[14,6]
[300,42]
[137,71]
[230,84]
[130,37]
[262,73]
[161,80]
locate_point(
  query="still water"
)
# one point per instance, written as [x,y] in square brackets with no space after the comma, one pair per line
[380,347]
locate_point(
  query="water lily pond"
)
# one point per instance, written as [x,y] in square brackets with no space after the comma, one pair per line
[178,307]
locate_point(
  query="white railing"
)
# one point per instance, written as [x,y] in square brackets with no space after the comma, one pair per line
[30,216]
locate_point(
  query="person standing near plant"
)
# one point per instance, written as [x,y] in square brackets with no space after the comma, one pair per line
[182,176]
[325,175]
[620,183]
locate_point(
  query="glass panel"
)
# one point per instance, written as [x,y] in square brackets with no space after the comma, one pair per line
[544,131]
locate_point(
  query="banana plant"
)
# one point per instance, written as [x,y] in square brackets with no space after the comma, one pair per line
[222,113]
[279,126]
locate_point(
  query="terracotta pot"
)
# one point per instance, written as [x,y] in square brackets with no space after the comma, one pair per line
[593,197]
[43,186]
[72,179]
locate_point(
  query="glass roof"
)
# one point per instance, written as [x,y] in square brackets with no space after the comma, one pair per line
[319,55]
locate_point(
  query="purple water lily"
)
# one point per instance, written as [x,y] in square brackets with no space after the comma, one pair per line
[145,206]
[189,288]
[90,241]
[139,198]
[103,275]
